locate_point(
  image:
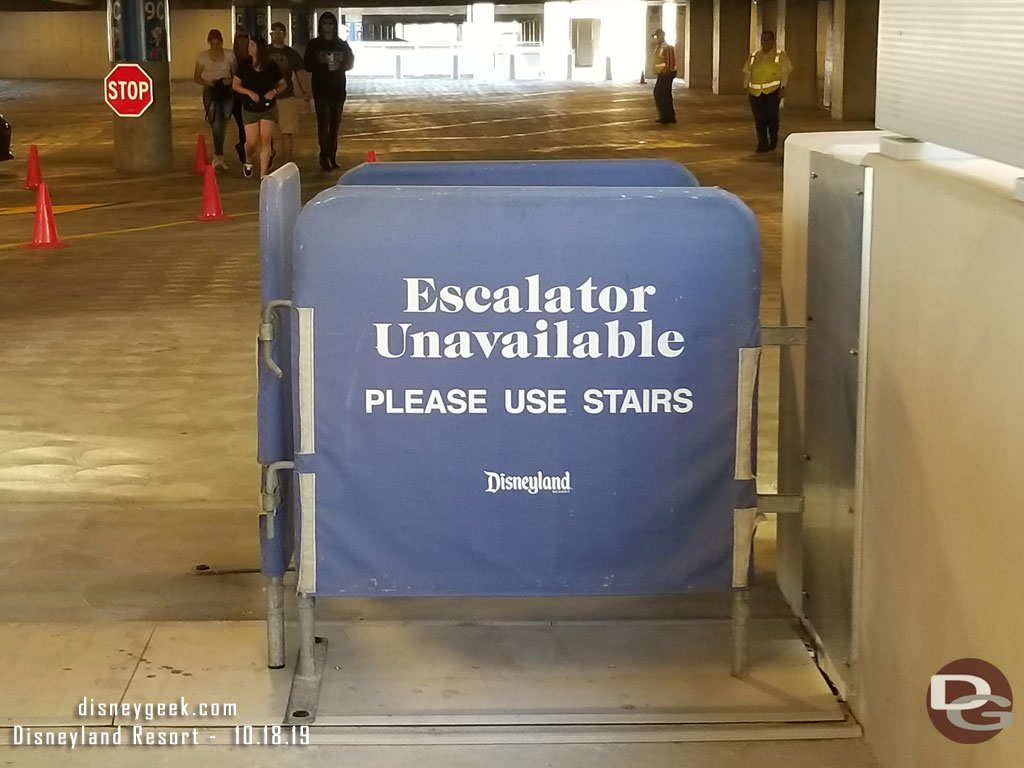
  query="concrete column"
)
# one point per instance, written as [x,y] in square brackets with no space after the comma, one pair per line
[557,40]
[653,22]
[253,16]
[680,41]
[731,45]
[825,52]
[768,16]
[855,57]
[700,33]
[354,21]
[798,37]
[143,145]
[480,36]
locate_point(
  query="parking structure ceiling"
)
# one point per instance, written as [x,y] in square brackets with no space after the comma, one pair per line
[298,5]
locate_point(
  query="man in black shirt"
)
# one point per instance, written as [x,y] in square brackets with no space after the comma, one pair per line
[294,71]
[328,58]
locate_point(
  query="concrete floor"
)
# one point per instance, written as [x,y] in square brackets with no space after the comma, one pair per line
[127,428]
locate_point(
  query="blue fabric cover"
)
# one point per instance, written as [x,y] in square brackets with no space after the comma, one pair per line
[280,204]
[647,172]
[402,501]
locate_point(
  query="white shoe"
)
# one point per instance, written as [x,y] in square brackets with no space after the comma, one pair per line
[247,170]
[218,162]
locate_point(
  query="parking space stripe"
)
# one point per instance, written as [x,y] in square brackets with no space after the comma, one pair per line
[130,229]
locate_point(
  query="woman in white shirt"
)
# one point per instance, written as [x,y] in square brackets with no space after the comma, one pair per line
[214,71]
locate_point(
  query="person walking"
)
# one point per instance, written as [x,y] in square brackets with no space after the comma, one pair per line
[240,47]
[766,74]
[214,70]
[665,68]
[259,82]
[294,70]
[327,59]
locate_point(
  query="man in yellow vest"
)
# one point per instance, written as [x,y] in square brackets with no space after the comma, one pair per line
[665,68]
[767,71]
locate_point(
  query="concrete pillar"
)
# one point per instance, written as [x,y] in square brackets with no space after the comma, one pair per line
[798,37]
[653,22]
[825,52]
[143,145]
[680,39]
[854,59]
[354,22]
[700,33]
[557,40]
[731,45]
[479,32]
[253,16]
[768,16]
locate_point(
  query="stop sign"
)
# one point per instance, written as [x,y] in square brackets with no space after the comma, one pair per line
[128,90]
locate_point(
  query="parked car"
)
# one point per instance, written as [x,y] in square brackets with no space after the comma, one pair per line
[5,140]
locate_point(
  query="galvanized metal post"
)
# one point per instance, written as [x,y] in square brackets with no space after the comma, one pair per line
[275,622]
[307,636]
[740,632]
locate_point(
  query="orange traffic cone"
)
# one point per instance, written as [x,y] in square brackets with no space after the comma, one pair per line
[200,154]
[211,198]
[371,156]
[643,77]
[45,233]
[35,176]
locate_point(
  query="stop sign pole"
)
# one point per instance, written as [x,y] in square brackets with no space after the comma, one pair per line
[128,90]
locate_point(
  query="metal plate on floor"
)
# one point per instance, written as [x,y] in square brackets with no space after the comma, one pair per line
[532,674]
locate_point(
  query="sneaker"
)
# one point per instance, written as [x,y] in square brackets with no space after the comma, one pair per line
[247,170]
[218,163]
[325,163]
[334,163]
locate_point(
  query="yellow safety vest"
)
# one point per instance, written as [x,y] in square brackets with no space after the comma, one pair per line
[765,72]
[664,58]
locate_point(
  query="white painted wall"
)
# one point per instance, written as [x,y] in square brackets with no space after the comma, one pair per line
[54,45]
[73,44]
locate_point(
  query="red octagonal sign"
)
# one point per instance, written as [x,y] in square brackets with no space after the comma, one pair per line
[128,90]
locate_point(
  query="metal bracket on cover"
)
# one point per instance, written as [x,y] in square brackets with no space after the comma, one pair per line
[270,493]
[784,336]
[268,332]
[780,504]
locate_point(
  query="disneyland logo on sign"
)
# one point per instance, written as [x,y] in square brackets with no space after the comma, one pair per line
[970,701]
[531,484]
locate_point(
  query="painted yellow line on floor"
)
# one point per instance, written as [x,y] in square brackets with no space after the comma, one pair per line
[16,209]
[131,229]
